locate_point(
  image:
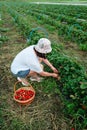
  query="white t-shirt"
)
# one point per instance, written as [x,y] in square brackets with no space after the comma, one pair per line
[26,59]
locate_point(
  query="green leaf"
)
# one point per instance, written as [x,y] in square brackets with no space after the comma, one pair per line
[83,86]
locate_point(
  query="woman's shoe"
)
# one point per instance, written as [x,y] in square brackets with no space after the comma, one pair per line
[38,79]
[23,81]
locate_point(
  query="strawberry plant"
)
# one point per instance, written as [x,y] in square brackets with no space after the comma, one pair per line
[72,86]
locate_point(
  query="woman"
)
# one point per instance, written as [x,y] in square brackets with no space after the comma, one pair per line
[28,62]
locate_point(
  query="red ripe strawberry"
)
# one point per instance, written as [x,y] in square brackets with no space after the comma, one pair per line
[24,94]
[17,97]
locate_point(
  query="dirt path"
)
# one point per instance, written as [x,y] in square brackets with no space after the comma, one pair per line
[63,3]
[73,51]
[10,47]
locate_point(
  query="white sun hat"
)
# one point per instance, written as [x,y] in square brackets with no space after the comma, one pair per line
[43,46]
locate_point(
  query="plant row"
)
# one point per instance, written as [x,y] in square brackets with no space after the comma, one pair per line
[74,32]
[63,19]
[73,86]
[68,32]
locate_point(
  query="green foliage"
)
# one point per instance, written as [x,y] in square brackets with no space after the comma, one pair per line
[3,39]
[4,29]
[71,23]
[72,84]
[33,39]
[83,85]
[83,47]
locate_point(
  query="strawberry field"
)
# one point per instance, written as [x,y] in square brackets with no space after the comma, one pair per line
[58,105]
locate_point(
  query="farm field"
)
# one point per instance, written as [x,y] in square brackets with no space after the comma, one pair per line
[58,105]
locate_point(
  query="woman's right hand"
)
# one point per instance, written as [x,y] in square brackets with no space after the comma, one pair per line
[55,75]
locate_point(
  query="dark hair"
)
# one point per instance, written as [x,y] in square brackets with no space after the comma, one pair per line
[42,55]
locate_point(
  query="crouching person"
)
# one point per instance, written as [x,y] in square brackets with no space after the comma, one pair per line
[27,63]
